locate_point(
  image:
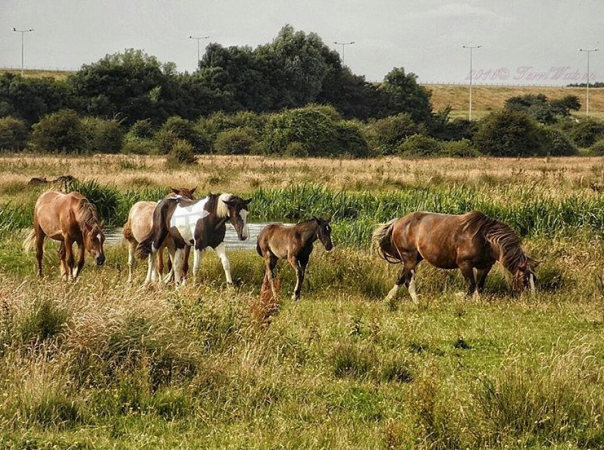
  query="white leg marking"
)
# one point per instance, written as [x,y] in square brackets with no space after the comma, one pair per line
[532,281]
[392,294]
[196,263]
[412,291]
[131,260]
[177,266]
[226,265]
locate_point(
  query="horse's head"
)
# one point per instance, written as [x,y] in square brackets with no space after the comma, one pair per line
[184,192]
[238,215]
[524,276]
[324,233]
[94,238]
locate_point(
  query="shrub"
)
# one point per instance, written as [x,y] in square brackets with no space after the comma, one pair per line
[236,141]
[597,149]
[310,126]
[387,134]
[296,149]
[587,132]
[142,129]
[177,128]
[556,143]
[62,131]
[351,139]
[219,121]
[420,145]
[13,134]
[138,146]
[509,133]
[180,153]
[104,136]
[459,149]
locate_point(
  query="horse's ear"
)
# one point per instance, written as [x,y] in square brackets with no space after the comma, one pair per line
[316,219]
[193,190]
[247,202]
[174,191]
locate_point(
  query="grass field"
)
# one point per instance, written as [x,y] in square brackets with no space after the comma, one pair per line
[100,363]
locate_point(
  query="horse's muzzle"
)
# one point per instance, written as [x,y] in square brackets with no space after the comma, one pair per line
[100,260]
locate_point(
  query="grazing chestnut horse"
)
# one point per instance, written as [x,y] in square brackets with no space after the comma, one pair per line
[67,218]
[140,221]
[294,243]
[198,223]
[468,241]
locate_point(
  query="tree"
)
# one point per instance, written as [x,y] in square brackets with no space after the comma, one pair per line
[405,95]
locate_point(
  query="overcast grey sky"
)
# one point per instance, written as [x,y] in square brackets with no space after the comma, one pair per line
[524,42]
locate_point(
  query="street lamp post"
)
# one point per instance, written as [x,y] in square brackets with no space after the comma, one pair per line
[22,33]
[343,44]
[588,51]
[471,47]
[198,38]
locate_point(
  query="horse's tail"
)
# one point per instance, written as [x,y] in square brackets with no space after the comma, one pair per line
[159,230]
[127,231]
[29,241]
[381,242]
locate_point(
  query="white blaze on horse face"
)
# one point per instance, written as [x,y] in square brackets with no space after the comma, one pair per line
[184,219]
[245,231]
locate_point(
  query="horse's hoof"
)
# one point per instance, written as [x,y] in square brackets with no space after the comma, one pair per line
[295,298]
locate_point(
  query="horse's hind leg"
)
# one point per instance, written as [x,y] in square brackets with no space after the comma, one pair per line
[406,277]
[39,249]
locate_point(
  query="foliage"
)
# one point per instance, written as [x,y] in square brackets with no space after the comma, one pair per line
[180,153]
[13,134]
[597,149]
[509,133]
[62,131]
[459,149]
[405,95]
[236,141]
[586,132]
[420,145]
[387,134]
[556,143]
[541,109]
[104,136]
[177,128]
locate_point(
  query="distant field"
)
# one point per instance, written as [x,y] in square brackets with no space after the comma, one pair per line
[34,73]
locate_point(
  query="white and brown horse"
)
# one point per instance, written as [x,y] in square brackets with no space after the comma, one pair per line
[67,218]
[294,243]
[467,242]
[138,226]
[197,223]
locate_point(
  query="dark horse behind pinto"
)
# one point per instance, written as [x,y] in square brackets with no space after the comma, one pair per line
[67,218]
[468,241]
[198,223]
[294,243]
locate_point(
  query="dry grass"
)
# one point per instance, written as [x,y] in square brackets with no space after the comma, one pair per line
[489,98]
[249,173]
[58,75]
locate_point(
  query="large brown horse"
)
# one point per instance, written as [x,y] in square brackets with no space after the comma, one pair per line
[67,218]
[198,223]
[468,241]
[139,224]
[294,243]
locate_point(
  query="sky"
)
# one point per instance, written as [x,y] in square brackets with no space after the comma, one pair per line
[522,42]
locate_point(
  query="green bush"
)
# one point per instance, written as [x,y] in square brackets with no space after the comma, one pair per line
[296,150]
[597,149]
[387,134]
[509,133]
[142,129]
[351,139]
[180,153]
[13,134]
[139,146]
[62,131]
[556,143]
[212,125]
[104,136]
[587,132]
[236,141]
[459,149]
[420,145]
[177,128]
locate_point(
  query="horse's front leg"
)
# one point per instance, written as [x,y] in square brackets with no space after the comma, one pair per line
[81,252]
[69,260]
[226,265]
[131,259]
[62,262]
[297,265]
[197,253]
[406,277]
[481,277]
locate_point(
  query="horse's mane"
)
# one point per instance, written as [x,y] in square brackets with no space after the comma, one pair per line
[500,236]
[217,206]
[87,213]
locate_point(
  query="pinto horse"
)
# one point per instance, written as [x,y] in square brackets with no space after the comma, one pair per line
[67,218]
[198,223]
[294,243]
[468,241]
[138,225]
